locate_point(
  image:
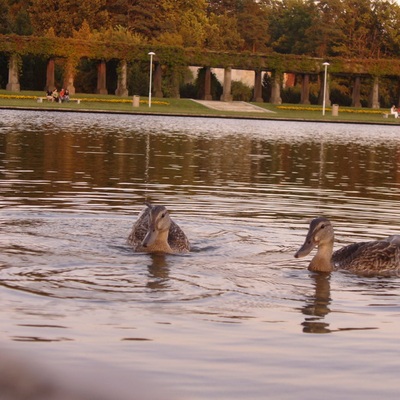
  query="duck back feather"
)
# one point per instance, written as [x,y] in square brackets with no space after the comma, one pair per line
[368,257]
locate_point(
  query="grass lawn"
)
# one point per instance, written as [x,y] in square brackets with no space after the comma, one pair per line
[111,103]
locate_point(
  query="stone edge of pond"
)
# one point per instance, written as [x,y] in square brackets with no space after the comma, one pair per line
[224,116]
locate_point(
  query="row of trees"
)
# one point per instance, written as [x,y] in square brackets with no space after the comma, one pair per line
[348,28]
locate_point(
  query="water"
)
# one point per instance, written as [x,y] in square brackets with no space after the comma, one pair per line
[238,317]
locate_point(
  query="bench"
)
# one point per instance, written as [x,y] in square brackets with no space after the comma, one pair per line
[40,100]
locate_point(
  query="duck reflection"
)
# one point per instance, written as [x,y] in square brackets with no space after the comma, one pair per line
[317,305]
[158,272]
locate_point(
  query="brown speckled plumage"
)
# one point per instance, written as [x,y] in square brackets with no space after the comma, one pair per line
[367,258]
[155,232]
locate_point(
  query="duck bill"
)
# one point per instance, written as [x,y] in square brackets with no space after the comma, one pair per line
[150,237]
[305,250]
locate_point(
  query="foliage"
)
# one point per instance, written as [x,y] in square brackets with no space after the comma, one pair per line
[322,28]
[33,72]
[3,71]
[290,24]
[254,26]
[328,109]
[83,33]
[188,90]
[14,17]
[388,93]
[87,99]
[86,78]
[240,91]
[223,6]
[216,87]
[138,79]
[172,79]
[223,33]
[291,95]
[66,15]
[4,22]
[338,97]
[119,34]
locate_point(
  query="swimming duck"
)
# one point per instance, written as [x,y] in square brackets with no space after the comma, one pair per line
[155,232]
[376,257]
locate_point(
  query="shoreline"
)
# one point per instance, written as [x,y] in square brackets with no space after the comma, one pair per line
[265,117]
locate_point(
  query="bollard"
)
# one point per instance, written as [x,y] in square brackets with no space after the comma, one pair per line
[135,101]
[39,100]
[335,110]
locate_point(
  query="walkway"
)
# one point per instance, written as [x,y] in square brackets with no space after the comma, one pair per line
[238,106]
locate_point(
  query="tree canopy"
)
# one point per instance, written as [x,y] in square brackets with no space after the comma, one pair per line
[347,28]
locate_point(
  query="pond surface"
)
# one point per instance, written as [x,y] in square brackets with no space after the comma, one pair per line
[237,318]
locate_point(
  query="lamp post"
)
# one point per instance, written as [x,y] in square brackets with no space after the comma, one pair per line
[151,54]
[325,64]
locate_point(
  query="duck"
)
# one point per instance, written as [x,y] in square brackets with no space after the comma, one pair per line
[155,232]
[366,258]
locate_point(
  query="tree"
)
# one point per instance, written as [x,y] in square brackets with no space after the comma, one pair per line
[369,28]
[290,22]
[324,31]
[4,22]
[65,16]
[119,34]
[355,22]
[184,21]
[220,7]
[192,27]
[223,34]
[143,17]
[119,12]
[253,25]
[388,18]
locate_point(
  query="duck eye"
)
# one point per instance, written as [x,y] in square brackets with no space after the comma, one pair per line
[322,226]
[162,215]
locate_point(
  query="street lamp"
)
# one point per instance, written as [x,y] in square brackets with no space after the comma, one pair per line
[151,54]
[325,64]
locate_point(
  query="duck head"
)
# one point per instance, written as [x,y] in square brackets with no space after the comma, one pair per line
[321,235]
[158,225]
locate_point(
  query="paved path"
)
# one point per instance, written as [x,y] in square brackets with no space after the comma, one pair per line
[239,106]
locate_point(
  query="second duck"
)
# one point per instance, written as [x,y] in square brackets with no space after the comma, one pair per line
[367,258]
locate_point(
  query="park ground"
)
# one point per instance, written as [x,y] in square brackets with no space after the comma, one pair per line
[187,107]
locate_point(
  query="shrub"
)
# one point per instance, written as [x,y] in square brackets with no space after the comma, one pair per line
[240,91]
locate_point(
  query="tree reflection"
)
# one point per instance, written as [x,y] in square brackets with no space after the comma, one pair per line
[316,307]
[101,151]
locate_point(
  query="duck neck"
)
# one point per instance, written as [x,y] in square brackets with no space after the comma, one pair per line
[161,242]
[322,261]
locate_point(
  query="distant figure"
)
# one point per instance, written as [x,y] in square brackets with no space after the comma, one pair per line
[66,95]
[394,111]
[55,95]
[49,95]
[62,94]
